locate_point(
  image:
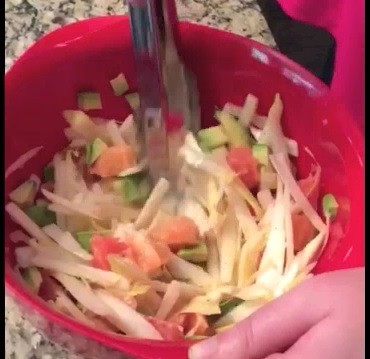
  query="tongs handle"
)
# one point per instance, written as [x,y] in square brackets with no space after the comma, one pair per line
[151,27]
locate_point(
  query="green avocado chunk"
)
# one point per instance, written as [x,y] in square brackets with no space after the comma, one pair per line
[134,188]
[228,305]
[330,206]
[197,254]
[48,173]
[32,278]
[212,137]
[41,215]
[25,194]
[89,101]
[94,149]
[261,153]
[234,130]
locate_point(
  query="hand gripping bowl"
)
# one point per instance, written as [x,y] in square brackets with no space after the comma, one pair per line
[88,54]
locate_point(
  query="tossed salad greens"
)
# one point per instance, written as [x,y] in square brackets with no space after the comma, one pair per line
[102,244]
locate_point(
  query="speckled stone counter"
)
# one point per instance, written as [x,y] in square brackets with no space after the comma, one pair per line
[25,22]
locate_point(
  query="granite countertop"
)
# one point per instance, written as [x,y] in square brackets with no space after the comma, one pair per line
[26,21]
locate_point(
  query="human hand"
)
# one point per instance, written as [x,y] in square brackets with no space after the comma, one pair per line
[324,317]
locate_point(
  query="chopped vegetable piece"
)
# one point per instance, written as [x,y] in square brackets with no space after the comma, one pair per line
[83,293]
[303,231]
[193,324]
[170,298]
[227,243]
[261,153]
[249,260]
[239,313]
[41,215]
[162,249]
[288,227]
[89,101]
[168,330]
[65,305]
[233,112]
[101,247]
[249,109]
[148,254]
[127,268]
[235,131]
[184,270]
[134,188]
[119,85]
[212,137]
[229,305]
[178,232]
[130,322]
[292,145]
[310,186]
[25,194]
[33,278]
[259,121]
[70,206]
[66,241]
[113,161]
[268,178]
[27,224]
[283,170]
[82,124]
[242,162]
[253,292]
[191,208]
[265,198]
[213,260]
[151,205]
[187,290]
[272,134]
[48,173]
[330,206]
[196,337]
[248,196]
[84,238]
[273,257]
[231,109]
[128,297]
[224,328]
[42,202]
[204,147]
[94,149]
[202,305]
[114,133]
[134,100]
[197,254]
[94,275]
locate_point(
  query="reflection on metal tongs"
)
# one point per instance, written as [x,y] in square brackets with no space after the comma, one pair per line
[168,92]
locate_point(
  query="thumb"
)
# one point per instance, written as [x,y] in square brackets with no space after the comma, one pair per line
[273,328]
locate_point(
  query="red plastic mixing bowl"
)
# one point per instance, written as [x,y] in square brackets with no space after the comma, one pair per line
[88,54]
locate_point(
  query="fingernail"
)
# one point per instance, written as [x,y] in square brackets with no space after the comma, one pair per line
[204,350]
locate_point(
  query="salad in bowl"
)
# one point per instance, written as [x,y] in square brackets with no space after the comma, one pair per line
[100,242]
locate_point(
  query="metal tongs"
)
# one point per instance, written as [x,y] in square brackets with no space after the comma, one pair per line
[167,90]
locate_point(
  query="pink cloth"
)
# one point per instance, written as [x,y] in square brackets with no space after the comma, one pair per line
[345,20]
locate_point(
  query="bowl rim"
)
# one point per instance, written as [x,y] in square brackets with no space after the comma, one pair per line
[132,345]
